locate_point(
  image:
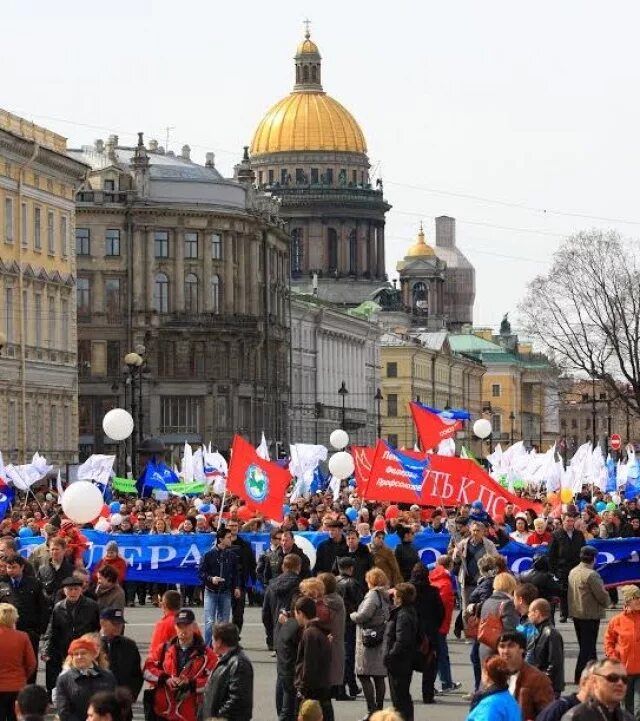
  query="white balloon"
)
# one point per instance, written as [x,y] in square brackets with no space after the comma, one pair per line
[341,465]
[198,502]
[116,519]
[102,525]
[82,501]
[616,499]
[118,424]
[482,428]
[339,439]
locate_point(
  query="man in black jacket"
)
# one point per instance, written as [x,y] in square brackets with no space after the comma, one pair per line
[246,572]
[607,692]
[406,553]
[70,619]
[564,555]
[545,649]
[229,690]
[122,652]
[52,573]
[352,594]
[286,652]
[25,593]
[287,545]
[279,597]
[361,556]
[330,549]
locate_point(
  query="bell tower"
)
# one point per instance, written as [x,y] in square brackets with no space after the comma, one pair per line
[308,65]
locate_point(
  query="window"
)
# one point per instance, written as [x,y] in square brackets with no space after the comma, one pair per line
[112,298]
[38,319]
[37,230]
[198,355]
[392,370]
[300,179]
[297,250]
[328,174]
[495,390]
[191,293]
[8,220]
[216,246]
[51,333]
[332,249]
[271,177]
[12,425]
[353,252]
[223,417]
[392,439]
[64,239]
[24,225]
[191,245]
[179,414]
[587,424]
[166,354]
[161,243]
[8,302]
[215,294]
[83,241]
[314,176]
[112,242]
[354,176]
[83,300]
[51,233]
[496,424]
[161,293]
[109,186]
[283,176]
[84,358]
[574,423]
[114,358]
[392,405]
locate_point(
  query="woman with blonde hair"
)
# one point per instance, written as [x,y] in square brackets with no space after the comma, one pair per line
[310,710]
[17,661]
[500,603]
[371,619]
[83,678]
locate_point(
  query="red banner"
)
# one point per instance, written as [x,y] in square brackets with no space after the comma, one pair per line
[431,427]
[448,481]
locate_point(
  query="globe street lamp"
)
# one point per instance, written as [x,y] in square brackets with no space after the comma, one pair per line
[378,398]
[343,393]
[133,361]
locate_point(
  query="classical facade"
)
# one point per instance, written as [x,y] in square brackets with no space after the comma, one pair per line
[520,389]
[334,356]
[422,366]
[38,380]
[310,152]
[190,270]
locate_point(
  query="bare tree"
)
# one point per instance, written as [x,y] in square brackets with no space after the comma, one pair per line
[586,312]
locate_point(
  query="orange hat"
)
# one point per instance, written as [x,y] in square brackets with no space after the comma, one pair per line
[83,643]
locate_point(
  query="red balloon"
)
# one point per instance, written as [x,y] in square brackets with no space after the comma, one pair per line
[105,512]
[245,513]
[392,512]
[378,524]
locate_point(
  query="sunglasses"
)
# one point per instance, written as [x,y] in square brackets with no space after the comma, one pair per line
[613,677]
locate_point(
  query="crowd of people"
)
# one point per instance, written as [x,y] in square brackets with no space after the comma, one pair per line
[361,620]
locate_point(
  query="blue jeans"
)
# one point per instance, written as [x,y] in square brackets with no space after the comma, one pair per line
[444,664]
[286,699]
[217,609]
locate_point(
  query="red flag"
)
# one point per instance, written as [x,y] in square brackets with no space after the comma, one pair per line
[261,483]
[431,427]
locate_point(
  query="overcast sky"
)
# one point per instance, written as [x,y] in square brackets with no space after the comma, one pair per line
[493,112]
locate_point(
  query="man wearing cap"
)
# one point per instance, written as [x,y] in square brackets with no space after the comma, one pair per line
[218,571]
[179,670]
[622,643]
[122,652]
[588,601]
[71,618]
[331,548]
[564,554]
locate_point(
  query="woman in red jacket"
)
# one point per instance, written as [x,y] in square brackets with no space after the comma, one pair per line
[441,579]
[113,558]
[17,661]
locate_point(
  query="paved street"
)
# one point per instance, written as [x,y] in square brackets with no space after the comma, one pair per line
[447,708]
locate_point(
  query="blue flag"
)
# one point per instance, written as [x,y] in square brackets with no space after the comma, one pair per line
[4,505]
[155,477]
[319,481]
[457,414]
[612,476]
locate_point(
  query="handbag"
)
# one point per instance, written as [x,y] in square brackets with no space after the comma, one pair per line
[471,627]
[490,628]
[372,636]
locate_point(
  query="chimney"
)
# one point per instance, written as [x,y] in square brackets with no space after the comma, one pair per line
[153,145]
[445,231]
[171,154]
[99,145]
[160,150]
[210,161]
[110,147]
[186,152]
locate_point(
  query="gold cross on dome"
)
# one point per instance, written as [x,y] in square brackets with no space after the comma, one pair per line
[306,22]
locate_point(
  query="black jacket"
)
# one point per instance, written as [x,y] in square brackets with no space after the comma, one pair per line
[68,622]
[401,640]
[28,598]
[542,578]
[558,708]
[278,597]
[51,579]
[564,552]
[125,663]
[272,570]
[74,691]
[287,648]
[313,662]
[429,607]
[246,562]
[363,562]
[545,651]
[327,552]
[590,711]
[229,690]
[482,591]
[351,592]
[222,562]
[407,557]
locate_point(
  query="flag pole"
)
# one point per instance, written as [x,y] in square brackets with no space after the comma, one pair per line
[224,496]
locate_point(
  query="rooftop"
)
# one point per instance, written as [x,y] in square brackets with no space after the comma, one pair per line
[30,131]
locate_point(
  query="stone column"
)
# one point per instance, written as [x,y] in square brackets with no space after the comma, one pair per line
[178,296]
[150,270]
[227,283]
[137,276]
[372,250]
[207,273]
[242,299]
[380,251]
[97,293]
[254,284]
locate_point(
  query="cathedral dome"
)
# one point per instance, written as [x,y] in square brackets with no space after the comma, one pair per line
[308,119]
[420,248]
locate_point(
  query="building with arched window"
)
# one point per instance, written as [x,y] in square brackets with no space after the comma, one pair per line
[311,153]
[193,267]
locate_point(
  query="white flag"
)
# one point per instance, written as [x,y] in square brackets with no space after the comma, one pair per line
[263,449]
[59,488]
[97,468]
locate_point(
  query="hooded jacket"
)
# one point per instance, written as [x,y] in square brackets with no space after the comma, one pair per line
[622,640]
[441,579]
[279,596]
[541,577]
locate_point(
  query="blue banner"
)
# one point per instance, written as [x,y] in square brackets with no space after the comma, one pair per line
[175,558]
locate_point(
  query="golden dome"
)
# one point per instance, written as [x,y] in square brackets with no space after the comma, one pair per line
[308,121]
[420,248]
[307,47]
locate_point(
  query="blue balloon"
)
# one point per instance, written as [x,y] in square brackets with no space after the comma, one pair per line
[115,507]
[600,506]
[204,508]
[25,532]
[286,509]
[351,514]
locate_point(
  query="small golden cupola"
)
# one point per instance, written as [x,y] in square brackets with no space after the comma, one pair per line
[420,247]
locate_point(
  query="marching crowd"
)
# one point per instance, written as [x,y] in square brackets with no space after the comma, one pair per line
[365,618]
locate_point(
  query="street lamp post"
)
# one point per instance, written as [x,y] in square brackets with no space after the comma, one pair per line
[343,393]
[378,398]
[134,362]
[512,418]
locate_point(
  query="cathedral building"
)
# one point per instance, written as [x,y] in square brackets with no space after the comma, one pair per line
[311,153]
